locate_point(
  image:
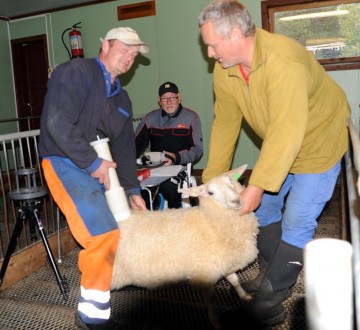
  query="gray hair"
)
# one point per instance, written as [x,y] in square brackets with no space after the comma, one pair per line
[227,14]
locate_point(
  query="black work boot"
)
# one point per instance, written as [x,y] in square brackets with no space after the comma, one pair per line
[281,274]
[109,325]
[267,241]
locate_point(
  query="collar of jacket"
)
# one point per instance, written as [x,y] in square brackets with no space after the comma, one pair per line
[109,90]
[263,42]
[164,114]
[259,55]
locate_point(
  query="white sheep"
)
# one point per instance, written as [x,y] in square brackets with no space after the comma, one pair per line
[201,244]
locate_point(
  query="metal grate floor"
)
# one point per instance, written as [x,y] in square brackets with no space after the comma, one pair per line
[35,303]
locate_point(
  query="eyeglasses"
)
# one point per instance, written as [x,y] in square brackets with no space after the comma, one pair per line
[166,99]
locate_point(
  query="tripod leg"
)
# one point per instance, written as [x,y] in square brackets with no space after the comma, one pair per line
[60,280]
[12,244]
[32,224]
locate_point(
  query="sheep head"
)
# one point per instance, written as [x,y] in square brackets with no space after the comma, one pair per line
[224,190]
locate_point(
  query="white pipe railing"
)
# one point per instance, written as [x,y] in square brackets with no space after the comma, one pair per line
[355,144]
[352,166]
[18,151]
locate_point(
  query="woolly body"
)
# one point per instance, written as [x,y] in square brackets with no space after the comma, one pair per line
[199,244]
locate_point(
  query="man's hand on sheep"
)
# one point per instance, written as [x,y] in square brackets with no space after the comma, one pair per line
[137,202]
[251,199]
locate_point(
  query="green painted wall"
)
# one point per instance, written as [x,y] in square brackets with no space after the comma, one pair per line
[7,97]
[177,54]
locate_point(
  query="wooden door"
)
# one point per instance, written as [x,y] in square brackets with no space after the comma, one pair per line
[30,64]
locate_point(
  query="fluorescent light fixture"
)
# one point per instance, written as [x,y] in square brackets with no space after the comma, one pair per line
[316,15]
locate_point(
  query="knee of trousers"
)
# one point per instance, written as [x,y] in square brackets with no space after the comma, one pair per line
[96,260]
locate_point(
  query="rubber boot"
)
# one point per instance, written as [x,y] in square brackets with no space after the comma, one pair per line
[281,274]
[267,241]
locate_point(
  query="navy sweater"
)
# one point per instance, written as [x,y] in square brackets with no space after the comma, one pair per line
[77,109]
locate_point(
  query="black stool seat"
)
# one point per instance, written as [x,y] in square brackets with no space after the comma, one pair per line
[25,193]
[27,189]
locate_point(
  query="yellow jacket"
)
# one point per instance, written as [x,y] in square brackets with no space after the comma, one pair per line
[290,102]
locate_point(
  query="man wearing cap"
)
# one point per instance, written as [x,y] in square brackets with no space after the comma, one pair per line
[84,102]
[174,130]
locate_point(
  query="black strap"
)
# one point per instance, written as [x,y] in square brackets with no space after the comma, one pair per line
[171,158]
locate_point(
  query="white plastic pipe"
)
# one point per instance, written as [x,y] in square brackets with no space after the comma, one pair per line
[328,284]
[115,196]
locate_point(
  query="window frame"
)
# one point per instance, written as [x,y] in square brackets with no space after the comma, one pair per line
[269,7]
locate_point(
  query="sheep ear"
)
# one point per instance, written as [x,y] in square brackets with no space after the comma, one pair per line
[194,191]
[237,173]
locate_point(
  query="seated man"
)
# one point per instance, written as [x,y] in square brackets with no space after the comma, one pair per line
[174,130]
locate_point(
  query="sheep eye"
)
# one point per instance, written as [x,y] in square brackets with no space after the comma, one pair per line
[210,193]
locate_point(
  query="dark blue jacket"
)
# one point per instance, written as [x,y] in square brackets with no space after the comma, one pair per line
[79,107]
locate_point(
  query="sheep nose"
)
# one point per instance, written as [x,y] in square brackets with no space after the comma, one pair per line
[237,203]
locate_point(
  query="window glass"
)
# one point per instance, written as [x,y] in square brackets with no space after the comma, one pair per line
[328,29]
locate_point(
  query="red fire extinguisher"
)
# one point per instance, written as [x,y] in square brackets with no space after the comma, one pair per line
[75,42]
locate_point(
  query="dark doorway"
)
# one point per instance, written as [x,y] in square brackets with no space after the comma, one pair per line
[30,63]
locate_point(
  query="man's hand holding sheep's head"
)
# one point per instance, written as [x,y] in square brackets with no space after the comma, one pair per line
[251,199]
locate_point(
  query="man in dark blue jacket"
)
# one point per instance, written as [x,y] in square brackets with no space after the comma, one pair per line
[85,101]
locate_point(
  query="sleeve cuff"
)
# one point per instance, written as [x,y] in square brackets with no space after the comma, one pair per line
[94,165]
[177,159]
[133,191]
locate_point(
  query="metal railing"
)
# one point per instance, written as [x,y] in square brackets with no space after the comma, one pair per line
[137,120]
[20,151]
[26,123]
[352,166]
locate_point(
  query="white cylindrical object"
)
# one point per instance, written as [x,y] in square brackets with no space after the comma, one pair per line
[115,196]
[114,180]
[102,148]
[328,284]
[118,203]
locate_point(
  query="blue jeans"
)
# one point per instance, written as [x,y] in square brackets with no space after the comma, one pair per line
[305,196]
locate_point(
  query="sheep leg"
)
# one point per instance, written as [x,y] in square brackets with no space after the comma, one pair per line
[208,294]
[234,281]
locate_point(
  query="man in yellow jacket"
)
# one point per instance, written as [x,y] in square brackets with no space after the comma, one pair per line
[300,113]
